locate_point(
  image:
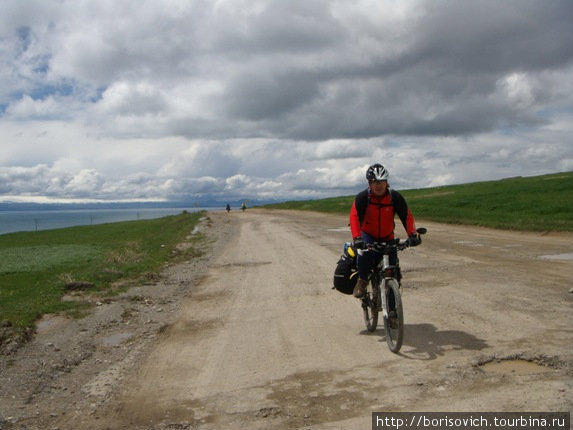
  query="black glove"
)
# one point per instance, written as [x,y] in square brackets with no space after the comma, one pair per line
[358,243]
[414,240]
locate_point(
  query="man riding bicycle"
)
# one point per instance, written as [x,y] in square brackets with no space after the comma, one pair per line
[372,220]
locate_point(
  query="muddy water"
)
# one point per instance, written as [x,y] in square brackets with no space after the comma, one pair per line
[568,257]
[514,367]
[116,338]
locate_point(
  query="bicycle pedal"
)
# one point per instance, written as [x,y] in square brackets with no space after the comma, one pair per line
[393,323]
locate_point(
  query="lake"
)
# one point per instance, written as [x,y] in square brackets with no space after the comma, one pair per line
[32,220]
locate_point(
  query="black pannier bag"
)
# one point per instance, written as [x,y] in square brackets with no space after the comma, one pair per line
[345,274]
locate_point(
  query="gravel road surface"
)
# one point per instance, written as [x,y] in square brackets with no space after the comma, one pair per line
[251,335]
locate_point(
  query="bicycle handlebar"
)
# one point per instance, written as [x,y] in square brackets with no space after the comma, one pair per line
[399,244]
[382,246]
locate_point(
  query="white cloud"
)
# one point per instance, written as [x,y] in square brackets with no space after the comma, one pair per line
[518,90]
[86,181]
[126,98]
[49,108]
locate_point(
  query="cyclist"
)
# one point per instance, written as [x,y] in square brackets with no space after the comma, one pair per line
[372,220]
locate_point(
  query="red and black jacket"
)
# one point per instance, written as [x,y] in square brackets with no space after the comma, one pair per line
[374,215]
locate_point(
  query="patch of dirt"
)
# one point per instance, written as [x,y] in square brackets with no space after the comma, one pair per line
[250,335]
[68,366]
[12,338]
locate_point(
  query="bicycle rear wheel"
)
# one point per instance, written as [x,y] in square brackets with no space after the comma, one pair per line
[394,321]
[370,306]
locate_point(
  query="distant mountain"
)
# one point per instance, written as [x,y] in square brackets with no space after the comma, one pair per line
[207,203]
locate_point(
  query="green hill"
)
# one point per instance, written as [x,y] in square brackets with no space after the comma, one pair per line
[539,203]
[38,268]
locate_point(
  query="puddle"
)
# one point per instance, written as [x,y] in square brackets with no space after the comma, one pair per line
[116,339]
[342,229]
[514,367]
[468,243]
[568,257]
[49,323]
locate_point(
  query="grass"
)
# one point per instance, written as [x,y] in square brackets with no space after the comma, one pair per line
[35,258]
[37,268]
[540,203]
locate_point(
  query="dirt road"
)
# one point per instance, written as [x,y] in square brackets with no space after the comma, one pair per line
[260,341]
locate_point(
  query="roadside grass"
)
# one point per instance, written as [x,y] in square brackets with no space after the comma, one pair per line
[539,203]
[37,269]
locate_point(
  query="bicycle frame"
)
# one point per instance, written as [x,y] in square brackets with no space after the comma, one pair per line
[386,294]
[383,272]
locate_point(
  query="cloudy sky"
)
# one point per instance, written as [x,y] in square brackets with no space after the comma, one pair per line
[286,99]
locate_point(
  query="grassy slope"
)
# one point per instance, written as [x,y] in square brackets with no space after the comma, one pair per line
[36,266]
[540,203]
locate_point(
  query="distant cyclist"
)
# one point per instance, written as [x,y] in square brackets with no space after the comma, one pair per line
[372,220]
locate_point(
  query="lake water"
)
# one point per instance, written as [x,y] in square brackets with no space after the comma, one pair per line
[30,220]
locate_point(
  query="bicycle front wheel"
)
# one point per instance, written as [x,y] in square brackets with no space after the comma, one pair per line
[370,306]
[394,320]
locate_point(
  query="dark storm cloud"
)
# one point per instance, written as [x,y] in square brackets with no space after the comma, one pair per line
[446,79]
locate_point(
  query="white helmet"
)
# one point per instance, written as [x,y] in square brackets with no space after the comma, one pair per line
[377,172]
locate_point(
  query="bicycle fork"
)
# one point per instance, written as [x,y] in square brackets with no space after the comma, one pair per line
[387,271]
[380,277]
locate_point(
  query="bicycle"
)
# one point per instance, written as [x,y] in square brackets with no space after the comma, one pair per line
[384,277]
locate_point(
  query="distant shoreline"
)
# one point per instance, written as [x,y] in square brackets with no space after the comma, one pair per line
[32,206]
[14,221]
